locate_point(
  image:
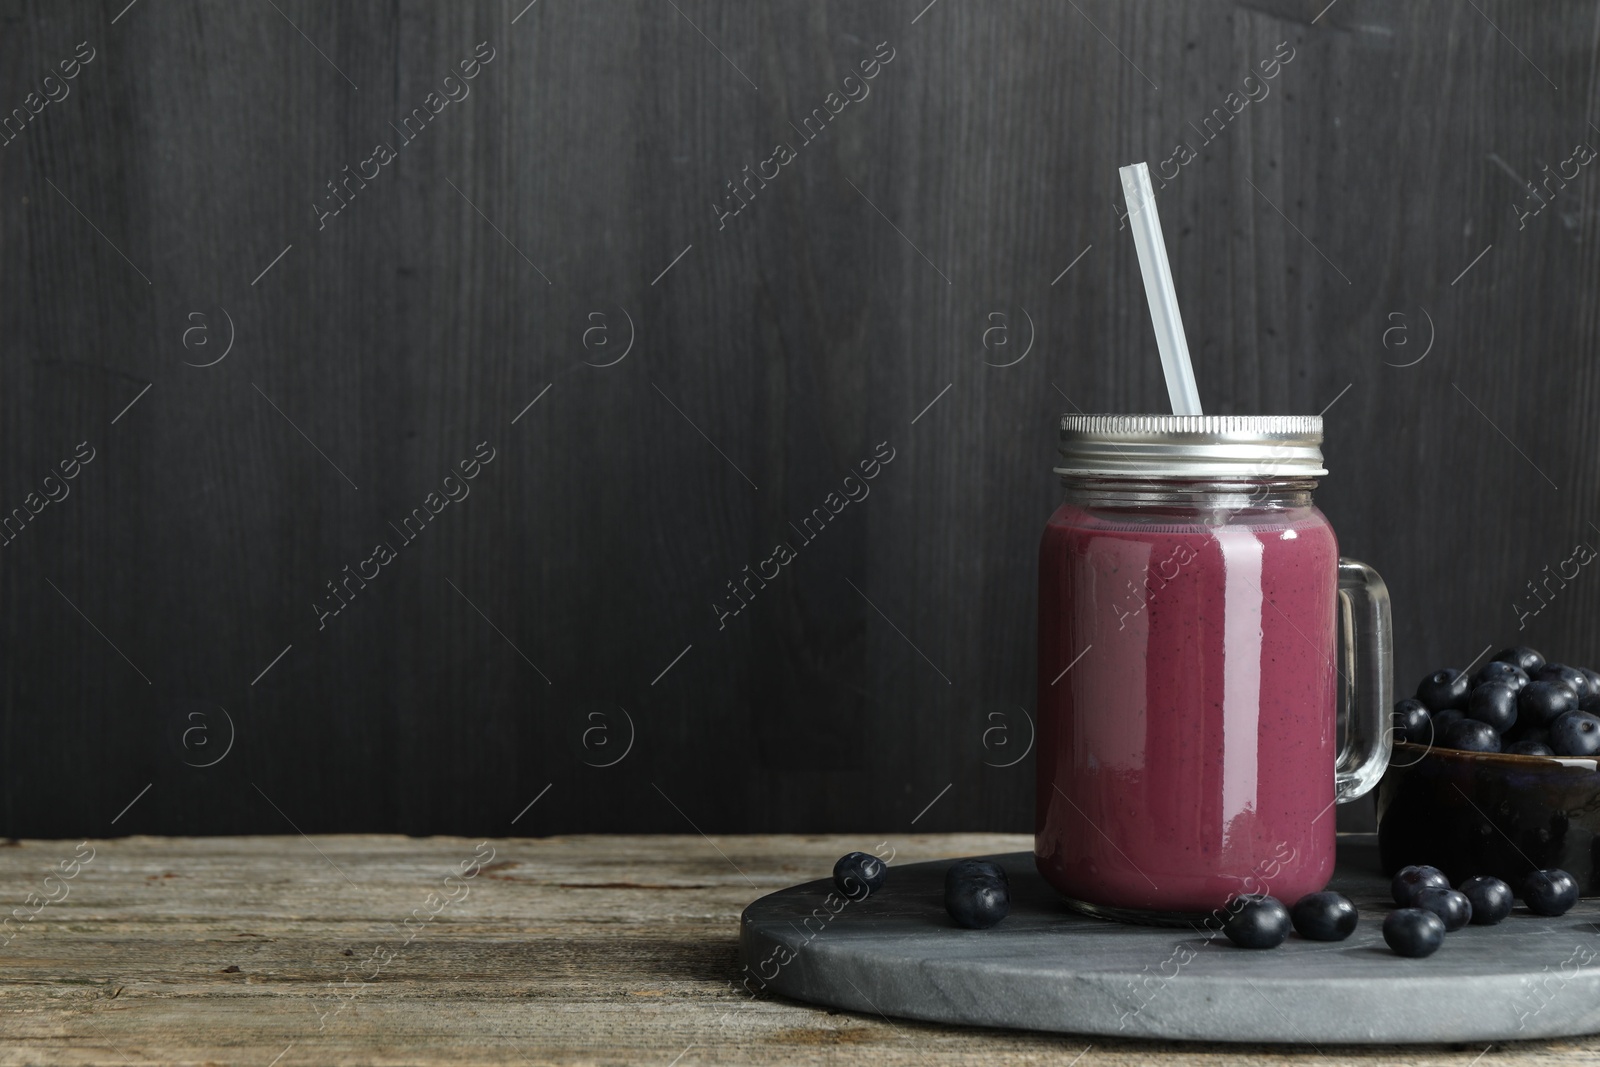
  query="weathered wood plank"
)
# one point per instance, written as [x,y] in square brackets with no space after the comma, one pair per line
[570,950]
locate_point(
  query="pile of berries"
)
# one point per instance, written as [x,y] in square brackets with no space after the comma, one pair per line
[1517,703]
[977,895]
[1428,910]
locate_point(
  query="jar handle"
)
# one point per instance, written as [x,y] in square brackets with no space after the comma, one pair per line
[1367,673]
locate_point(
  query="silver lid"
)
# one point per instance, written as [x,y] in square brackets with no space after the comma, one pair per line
[1192,446]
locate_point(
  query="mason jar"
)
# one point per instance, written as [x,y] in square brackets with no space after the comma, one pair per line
[1192,739]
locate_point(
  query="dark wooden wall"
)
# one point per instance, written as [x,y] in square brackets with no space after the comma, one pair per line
[566,608]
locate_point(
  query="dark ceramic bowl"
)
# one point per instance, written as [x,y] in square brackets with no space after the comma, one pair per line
[1473,813]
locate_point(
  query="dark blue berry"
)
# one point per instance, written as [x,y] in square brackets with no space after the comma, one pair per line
[1543,702]
[1444,689]
[1453,907]
[1257,922]
[857,875]
[1500,671]
[976,893]
[1490,898]
[1411,722]
[1524,657]
[1412,880]
[1590,702]
[1413,932]
[1529,748]
[1560,672]
[1494,703]
[1577,733]
[1324,917]
[1470,735]
[1549,892]
[1443,719]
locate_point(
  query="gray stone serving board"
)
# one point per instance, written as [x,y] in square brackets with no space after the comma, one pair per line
[1048,968]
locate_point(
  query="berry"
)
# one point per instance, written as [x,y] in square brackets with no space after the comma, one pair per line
[1411,722]
[1577,733]
[1543,702]
[1413,932]
[1494,703]
[1500,671]
[1524,657]
[1443,719]
[1257,922]
[1560,672]
[1490,899]
[1529,748]
[1592,700]
[1470,735]
[1453,907]
[857,875]
[1324,917]
[976,893]
[1444,689]
[1549,892]
[1412,880]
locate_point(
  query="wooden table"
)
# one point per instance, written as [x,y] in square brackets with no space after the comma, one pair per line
[294,950]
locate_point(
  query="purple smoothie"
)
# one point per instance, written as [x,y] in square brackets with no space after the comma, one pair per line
[1188,756]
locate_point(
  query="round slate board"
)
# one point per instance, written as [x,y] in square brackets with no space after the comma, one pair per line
[1047,968]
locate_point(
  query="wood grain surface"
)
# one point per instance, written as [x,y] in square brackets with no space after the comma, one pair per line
[673,376]
[567,950]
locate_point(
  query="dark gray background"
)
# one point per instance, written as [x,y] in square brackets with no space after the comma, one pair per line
[771,357]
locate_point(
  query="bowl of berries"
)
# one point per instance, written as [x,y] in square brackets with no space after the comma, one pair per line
[1496,773]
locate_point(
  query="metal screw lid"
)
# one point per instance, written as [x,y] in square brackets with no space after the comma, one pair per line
[1192,446]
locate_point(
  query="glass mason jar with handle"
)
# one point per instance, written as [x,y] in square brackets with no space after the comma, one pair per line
[1191,601]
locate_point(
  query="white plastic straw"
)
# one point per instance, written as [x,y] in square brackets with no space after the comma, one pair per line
[1159,290]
